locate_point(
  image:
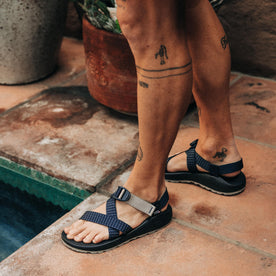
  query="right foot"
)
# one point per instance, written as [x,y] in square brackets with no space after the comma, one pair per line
[89,232]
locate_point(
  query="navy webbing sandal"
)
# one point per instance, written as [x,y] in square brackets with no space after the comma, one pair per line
[211,180]
[156,220]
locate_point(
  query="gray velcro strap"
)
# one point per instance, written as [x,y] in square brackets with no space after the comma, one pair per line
[141,205]
[122,194]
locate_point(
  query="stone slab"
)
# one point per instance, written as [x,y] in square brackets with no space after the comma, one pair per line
[174,250]
[253,112]
[65,133]
[248,218]
[12,95]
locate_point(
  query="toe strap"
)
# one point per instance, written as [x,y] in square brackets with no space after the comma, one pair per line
[106,220]
[115,225]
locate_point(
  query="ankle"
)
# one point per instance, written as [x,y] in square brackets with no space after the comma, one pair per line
[218,150]
[146,189]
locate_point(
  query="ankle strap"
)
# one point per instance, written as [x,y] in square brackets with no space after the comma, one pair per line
[122,194]
[193,159]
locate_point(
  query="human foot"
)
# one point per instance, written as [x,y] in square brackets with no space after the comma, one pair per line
[90,233]
[216,155]
[217,171]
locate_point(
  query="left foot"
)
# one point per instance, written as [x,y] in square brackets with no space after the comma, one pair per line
[216,153]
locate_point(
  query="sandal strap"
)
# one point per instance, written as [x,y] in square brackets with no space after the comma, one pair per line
[193,159]
[122,194]
[111,220]
[106,220]
[111,210]
[171,157]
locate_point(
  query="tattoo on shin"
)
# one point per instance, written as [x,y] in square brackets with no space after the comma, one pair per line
[164,73]
[162,53]
[224,41]
[143,84]
[140,154]
[221,155]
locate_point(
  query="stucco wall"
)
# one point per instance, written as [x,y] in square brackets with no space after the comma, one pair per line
[251,27]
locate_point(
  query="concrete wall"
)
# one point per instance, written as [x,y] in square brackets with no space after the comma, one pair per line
[251,28]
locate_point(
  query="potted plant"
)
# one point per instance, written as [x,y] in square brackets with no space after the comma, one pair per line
[111,72]
[30,38]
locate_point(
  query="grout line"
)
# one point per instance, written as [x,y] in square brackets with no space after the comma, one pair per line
[113,175]
[40,93]
[224,239]
[252,76]
[235,80]
[255,142]
[68,80]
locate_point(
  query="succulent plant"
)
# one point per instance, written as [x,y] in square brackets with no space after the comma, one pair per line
[98,14]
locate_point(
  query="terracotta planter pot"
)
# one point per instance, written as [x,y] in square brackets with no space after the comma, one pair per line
[30,38]
[111,71]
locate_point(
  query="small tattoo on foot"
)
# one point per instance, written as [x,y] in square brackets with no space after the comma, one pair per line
[162,53]
[143,84]
[221,155]
[224,41]
[140,154]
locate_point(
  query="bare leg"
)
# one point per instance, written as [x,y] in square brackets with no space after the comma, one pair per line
[156,35]
[210,53]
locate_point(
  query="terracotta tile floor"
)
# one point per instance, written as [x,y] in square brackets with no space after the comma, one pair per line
[91,146]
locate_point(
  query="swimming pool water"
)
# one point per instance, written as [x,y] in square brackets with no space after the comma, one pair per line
[22,217]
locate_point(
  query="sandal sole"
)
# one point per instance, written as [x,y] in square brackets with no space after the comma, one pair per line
[234,185]
[207,188]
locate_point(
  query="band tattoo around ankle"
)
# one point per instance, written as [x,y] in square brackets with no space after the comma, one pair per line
[224,41]
[162,53]
[221,155]
[140,154]
[143,84]
[164,73]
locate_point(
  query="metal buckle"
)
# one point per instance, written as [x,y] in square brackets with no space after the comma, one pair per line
[156,212]
[122,194]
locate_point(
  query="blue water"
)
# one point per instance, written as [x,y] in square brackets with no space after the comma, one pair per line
[22,217]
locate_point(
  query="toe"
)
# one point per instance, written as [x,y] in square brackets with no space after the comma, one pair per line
[82,235]
[66,230]
[100,237]
[89,238]
[76,224]
[74,232]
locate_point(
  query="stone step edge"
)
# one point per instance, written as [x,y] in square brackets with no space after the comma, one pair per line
[57,191]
